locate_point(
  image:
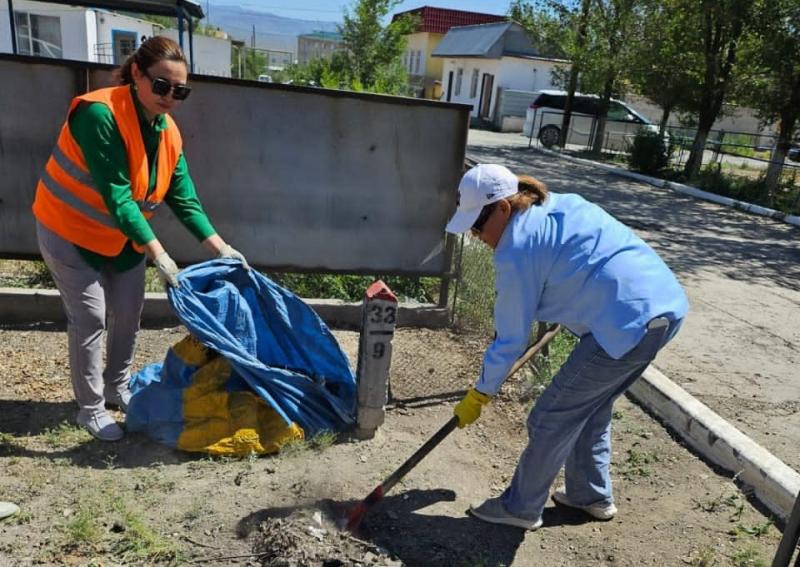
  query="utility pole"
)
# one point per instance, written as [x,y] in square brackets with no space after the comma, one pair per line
[253,52]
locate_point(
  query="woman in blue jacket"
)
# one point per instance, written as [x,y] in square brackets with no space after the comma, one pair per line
[560,258]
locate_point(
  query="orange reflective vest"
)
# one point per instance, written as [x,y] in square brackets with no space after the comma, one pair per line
[67,200]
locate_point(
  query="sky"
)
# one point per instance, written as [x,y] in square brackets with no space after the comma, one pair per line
[331,10]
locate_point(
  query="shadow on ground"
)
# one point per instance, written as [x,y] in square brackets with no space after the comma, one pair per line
[401,526]
[36,429]
[691,234]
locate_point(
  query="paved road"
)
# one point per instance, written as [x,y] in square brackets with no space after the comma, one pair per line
[739,350]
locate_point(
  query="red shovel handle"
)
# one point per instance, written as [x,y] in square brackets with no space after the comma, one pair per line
[355,516]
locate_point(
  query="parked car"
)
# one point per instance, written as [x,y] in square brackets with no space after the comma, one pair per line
[545,114]
[794,152]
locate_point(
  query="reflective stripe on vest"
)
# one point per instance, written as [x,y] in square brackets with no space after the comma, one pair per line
[69,166]
[73,201]
[76,203]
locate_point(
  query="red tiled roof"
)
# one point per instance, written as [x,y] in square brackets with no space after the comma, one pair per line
[440,20]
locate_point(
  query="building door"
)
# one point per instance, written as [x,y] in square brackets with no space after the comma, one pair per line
[449,85]
[487,85]
[123,44]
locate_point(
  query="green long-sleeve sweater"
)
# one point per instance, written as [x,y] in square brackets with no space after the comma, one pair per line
[96,132]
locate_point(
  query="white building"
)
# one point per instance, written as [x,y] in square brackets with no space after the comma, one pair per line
[100,36]
[482,61]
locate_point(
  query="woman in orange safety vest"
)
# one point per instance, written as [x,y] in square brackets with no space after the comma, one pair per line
[118,156]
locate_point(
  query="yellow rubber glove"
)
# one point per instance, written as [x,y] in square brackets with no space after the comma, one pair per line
[469,408]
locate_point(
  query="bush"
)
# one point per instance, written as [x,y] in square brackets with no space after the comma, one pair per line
[712,179]
[649,154]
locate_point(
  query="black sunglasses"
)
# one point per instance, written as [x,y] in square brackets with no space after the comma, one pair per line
[486,212]
[162,87]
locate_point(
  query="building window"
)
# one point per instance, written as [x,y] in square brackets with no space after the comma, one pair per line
[459,79]
[473,86]
[416,63]
[38,35]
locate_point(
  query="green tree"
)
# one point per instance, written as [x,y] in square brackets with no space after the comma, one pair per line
[663,70]
[612,29]
[557,29]
[771,76]
[714,29]
[247,63]
[372,56]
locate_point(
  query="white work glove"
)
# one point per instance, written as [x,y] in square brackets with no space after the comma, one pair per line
[229,251]
[167,269]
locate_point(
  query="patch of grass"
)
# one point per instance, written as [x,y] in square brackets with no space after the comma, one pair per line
[638,463]
[137,541]
[319,442]
[195,511]
[475,295]
[748,556]
[25,273]
[8,443]
[84,529]
[757,530]
[22,517]
[323,440]
[65,435]
[705,557]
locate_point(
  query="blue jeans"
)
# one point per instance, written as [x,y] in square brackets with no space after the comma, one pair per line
[570,424]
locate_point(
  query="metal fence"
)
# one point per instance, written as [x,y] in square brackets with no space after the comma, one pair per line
[744,149]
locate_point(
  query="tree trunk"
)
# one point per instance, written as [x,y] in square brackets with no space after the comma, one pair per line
[695,160]
[567,117]
[662,126]
[600,131]
[573,73]
[777,158]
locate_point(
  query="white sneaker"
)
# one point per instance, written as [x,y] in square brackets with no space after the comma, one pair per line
[7,509]
[493,511]
[599,510]
[118,399]
[100,424]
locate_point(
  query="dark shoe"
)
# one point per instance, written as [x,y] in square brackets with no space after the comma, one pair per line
[100,424]
[493,511]
[599,510]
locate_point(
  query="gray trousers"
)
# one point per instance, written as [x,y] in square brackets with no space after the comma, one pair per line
[95,301]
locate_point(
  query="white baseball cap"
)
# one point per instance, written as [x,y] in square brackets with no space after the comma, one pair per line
[482,185]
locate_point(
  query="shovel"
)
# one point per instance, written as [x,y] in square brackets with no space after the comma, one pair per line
[357,513]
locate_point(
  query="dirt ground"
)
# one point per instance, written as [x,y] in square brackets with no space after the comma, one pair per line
[138,503]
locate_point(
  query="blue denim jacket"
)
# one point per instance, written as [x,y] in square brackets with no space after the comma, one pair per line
[568,261]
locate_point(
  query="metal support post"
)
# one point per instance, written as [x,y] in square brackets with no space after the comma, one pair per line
[790,540]
[13,22]
[374,358]
[191,43]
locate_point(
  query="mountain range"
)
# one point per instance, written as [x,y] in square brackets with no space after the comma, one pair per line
[271,31]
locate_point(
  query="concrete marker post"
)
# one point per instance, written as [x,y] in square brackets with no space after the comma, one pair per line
[379,319]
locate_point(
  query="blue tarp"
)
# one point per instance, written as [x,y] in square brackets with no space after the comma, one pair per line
[277,346]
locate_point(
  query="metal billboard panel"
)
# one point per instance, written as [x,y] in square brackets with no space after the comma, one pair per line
[296,178]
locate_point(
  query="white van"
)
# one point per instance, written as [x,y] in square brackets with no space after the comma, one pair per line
[546,112]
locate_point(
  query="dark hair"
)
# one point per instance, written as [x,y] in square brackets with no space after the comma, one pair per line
[150,52]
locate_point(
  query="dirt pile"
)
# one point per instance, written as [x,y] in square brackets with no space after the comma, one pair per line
[306,538]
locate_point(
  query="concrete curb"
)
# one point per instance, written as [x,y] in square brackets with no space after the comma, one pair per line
[26,306]
[682,188]
[775,483]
